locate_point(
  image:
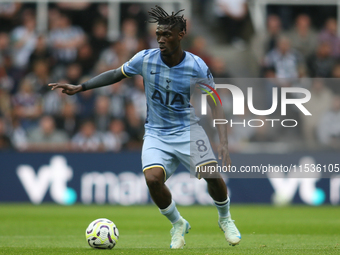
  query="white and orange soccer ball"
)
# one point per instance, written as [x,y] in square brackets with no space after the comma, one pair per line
[102,234]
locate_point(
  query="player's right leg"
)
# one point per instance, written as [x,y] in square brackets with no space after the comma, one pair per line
[159,192]
[158,165]
[162,197]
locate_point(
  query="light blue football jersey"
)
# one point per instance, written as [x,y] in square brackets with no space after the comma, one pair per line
[168,89]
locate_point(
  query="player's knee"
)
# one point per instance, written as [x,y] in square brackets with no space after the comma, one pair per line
[153,182]
[213,178]
[154,178]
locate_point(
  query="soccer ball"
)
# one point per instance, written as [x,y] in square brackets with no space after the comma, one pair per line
[102,234]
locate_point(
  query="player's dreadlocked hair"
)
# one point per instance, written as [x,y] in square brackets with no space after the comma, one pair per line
[158,15]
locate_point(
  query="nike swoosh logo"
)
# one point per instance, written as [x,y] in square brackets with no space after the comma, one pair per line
[154,72]
[203,155]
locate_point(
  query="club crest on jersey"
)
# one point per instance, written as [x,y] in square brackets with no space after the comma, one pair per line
[170,98]
[168,81]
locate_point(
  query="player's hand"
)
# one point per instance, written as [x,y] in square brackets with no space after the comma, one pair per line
[223,154]
[66,88]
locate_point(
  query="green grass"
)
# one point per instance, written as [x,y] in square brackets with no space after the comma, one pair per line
[53,229]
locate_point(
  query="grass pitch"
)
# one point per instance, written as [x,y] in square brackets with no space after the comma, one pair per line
[53,229]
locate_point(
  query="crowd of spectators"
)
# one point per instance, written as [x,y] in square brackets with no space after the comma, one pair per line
[304,57]
[76,48]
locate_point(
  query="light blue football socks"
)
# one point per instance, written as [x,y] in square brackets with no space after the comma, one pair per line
[223,208]
[171,212]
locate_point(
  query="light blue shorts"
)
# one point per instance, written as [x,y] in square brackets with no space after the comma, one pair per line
[191,148]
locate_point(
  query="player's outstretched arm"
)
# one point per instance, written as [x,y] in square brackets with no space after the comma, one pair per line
[217,113]
[103,79]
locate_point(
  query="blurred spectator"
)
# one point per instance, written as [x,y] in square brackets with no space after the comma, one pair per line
[135,12]
[118,97]
[116,137]
[53,17]
[46,137]
[285,59]
[40,76]
[329,126]
[98,38]
[81,12]
[68,119]
[319,103]
[10,76]
[232,14]
[108,59]
[188,39]
[53,101]
[199,48]
[330,35]
[102,113]
[74,73]
[129,35]
[65,39]
[320,63]
[303,38]
[151,38]
[24,39]
[27,105]
[6,81]
[87,139]
[8,14]
[267,40]
[5,102]
[333,84]
[137,97]
[79,6]
[18,135]
[4,46]
[103,10]
[13,75]
[42,52]
[5,141]
[86,102]
[113,57]
[86,58]
[218,68]
[134,127]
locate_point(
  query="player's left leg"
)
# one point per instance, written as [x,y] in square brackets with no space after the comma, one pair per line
[201,164]
[218,191]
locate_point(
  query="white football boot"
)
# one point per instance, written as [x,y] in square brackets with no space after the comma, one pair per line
[179,229]
[231,233]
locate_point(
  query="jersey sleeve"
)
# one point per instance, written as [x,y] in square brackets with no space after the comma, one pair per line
[205,80]
[134,65]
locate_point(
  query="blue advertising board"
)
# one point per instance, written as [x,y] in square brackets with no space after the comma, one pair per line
[117,178]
